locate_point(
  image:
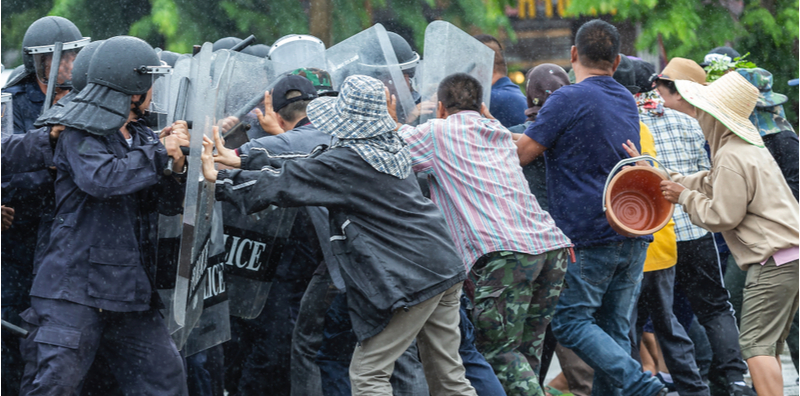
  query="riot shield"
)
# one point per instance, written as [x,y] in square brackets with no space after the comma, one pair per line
[214,326]
[253,246]
[450,50]
[253,243]
[297,50]
[199,201]
[370,53]
[243,80]
[159,103]
[7,115]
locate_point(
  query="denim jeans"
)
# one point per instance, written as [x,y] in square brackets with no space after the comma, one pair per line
[479,372]
[593,316]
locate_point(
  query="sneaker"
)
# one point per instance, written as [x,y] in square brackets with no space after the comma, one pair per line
[662,392]
[740,389]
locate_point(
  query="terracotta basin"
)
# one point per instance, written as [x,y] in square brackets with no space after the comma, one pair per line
[634,203]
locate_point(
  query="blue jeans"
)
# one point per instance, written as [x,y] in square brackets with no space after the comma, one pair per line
[479,372]
[593,316]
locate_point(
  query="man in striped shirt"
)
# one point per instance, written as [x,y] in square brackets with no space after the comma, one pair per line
[516,254]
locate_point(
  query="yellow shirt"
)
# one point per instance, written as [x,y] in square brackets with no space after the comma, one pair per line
[663,252]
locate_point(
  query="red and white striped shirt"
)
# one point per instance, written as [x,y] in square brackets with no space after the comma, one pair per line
[476,180]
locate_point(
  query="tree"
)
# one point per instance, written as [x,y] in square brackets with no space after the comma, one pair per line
[767,29]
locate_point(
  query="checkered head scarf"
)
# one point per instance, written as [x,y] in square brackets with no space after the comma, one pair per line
[358,117]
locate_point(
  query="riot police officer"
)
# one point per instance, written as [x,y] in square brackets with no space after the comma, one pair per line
[92,290]
[30,193]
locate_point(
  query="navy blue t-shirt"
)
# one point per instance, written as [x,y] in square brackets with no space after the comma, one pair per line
[507,103]
[583,126]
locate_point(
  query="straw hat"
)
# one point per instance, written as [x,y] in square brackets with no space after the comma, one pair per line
[731,99]
[683,69]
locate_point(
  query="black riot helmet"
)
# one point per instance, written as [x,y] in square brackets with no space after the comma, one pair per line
[406,57]
[80,69]
[226,43]
[258,50]
[38,47]
[125,64]
[120,67]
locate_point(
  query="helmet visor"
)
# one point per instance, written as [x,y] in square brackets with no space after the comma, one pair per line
[43,59]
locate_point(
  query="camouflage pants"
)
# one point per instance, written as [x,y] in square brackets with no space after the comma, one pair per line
[515,297]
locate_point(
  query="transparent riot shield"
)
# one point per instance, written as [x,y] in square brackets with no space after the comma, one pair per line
[199,201]
[370,53]
[253,243]
[214,326]
[243,80]
[253,247]
[450,50]
[7,114]
[159,103]
[297,50]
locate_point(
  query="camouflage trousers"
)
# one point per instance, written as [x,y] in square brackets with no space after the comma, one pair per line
[515,297]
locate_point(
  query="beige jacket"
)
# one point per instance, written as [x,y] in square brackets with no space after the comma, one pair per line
[744,196]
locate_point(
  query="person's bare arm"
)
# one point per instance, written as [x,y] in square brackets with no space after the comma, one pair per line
[528,149]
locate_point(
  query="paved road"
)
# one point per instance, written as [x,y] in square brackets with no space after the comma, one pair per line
[789,375]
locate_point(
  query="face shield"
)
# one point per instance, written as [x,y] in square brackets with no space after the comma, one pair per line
[57,79]
[297,50]
[156,115]
[7,114]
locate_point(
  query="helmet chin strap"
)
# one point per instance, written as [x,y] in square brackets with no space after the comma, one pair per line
[136,110]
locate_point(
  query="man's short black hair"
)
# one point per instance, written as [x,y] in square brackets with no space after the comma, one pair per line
[499,58]
[598,44]
[460,91]
[294,111]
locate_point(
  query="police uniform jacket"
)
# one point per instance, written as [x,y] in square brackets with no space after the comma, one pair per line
[30,192]
[391,244]
[108,197]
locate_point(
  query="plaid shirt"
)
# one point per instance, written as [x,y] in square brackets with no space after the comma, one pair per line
[475,179]
[680,145]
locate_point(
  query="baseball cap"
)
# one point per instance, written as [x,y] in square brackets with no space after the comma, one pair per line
[319,78]
[292,83]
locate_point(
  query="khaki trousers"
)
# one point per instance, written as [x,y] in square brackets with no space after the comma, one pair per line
[434,323]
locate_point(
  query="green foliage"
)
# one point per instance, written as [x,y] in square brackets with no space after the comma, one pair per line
[768,30]
[719,67]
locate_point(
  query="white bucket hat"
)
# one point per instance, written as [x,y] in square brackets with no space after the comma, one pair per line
[730,99]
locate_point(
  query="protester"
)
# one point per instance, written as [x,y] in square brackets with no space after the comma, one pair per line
[104,299]
[698,271]
[670,131]
[515,252]
[580,130]
[388,307]
[759,223]
[507,102]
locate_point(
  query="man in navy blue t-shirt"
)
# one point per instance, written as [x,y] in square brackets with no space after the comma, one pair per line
[507,103]
[580,130]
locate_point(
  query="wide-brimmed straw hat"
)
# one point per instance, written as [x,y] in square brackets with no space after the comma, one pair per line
[359,112]
[730,99]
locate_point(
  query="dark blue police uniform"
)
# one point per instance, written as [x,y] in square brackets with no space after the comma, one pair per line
[92,290]
[30,194]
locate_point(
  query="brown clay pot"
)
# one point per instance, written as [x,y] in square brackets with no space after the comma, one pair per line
[635,205]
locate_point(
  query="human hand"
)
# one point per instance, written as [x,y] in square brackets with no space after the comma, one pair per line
[485,112]
[671,190]
[632,151]
[179,136]
[225,155]
[391,104]
[228,123]
[8,217]
[268,119]
[55,131]
[207,157]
